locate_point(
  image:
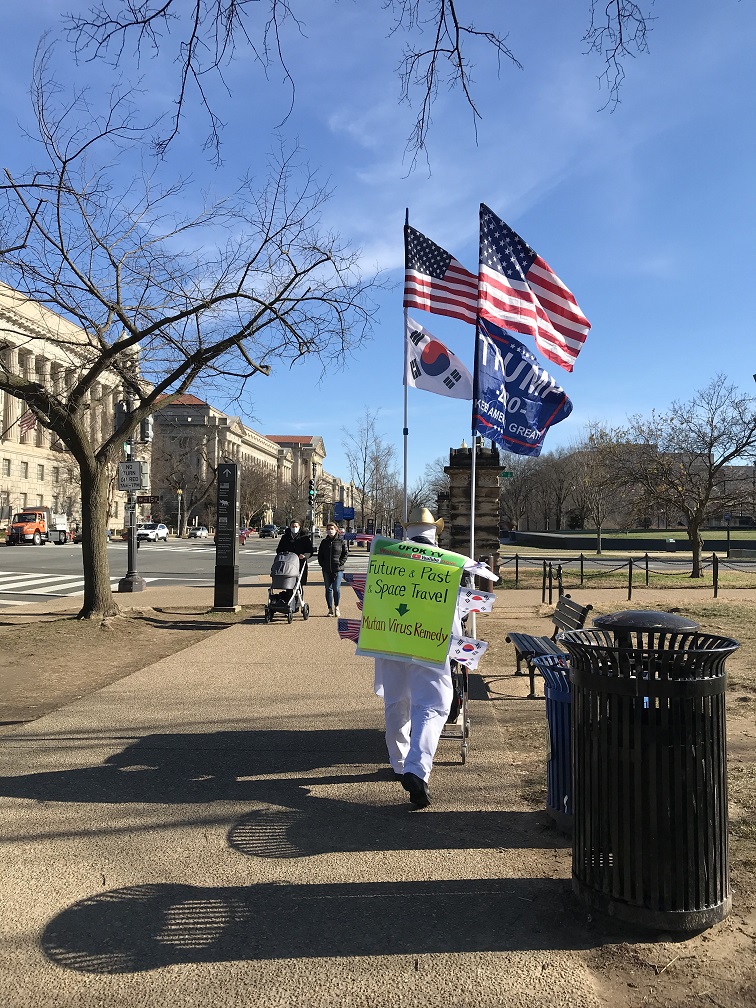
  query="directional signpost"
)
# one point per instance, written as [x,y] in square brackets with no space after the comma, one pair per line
[132,476]
[226,596]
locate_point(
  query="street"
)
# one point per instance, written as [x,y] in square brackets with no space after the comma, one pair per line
[34,573]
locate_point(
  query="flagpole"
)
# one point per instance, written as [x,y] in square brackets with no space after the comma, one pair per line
[474,447]
[405,431]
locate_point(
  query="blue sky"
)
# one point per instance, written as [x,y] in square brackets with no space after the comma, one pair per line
[647,212]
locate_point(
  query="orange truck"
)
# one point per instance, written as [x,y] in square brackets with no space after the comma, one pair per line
[36,526]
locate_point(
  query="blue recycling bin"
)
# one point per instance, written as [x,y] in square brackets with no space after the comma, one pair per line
[558,693]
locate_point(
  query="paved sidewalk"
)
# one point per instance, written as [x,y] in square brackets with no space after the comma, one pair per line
[218,828]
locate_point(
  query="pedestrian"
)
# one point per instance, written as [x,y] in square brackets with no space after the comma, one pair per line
[332,555]
[417,696]
[294,540]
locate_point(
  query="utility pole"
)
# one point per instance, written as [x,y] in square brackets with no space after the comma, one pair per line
[179,495]
[132,478]
[132,582]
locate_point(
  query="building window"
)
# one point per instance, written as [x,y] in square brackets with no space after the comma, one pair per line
[40,502]
[55,505]
[6,467]
[56,474]
[115,509]
[23,502]
[41,473]
[24,470]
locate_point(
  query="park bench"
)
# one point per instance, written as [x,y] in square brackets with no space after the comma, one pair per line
[568,615]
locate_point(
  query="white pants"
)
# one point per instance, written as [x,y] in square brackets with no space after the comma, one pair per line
[416,700]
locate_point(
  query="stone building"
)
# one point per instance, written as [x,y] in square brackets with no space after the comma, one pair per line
[35,468]
[192,438]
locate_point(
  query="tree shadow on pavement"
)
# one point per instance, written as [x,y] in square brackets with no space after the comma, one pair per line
[295,816]
[147,927]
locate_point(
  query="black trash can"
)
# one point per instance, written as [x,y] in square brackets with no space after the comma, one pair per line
[649,769]
[556,689]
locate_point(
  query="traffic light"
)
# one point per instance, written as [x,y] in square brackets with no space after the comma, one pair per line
[122,413]
[145,430]
[311,492]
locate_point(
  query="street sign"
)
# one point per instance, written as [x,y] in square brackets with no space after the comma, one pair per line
[347,513]
[154,499]
[132,475]
[504,474]
[338,511]
[226,595]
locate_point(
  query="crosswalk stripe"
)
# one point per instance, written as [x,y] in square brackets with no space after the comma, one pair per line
[30,579]
[53,583]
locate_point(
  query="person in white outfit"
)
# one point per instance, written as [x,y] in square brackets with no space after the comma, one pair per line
[417,696]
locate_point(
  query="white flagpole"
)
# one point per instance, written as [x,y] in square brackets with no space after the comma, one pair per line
[474,450]
[405,431]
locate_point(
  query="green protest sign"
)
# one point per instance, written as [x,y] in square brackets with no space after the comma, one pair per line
[410,598]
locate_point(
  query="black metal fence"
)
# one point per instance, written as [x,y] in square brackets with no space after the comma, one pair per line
[581,570]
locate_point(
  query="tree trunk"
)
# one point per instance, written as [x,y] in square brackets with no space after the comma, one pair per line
[694,535]
[98,598]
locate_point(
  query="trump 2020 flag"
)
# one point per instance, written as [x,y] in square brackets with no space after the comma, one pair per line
[518,290]
[429,365]
[514,401]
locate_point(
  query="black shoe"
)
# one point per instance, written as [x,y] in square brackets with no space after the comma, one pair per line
[418,790]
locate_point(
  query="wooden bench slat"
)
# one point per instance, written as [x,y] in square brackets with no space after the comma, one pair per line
[568,615]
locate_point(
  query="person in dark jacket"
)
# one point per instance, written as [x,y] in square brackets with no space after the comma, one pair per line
[332,555]
[294,540]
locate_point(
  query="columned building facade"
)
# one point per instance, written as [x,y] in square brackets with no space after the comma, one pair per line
[192,438]
[36,470]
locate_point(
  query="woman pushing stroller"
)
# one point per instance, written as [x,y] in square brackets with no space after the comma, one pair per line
[294,540]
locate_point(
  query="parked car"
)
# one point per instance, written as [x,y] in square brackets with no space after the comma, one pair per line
[198,532]
[268,531]
[152,532]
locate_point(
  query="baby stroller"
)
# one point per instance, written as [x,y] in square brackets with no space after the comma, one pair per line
[285,592]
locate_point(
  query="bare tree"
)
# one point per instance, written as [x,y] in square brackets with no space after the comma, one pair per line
[556,482]
[202,38]
[258,484]
[158,298]
[518,490]
[681,459]
[596,481]
[190,475]
[372,466]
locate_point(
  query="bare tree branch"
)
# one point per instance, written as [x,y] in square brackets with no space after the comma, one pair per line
[161,298]
[203,37]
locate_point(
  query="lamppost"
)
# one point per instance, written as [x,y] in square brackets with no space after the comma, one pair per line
[179,494]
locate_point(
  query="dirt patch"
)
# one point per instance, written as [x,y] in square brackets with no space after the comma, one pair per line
[54,660]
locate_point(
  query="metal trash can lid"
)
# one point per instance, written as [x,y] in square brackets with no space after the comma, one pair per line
[645,619]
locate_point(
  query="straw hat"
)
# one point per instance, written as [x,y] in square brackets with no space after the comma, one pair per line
[422,516]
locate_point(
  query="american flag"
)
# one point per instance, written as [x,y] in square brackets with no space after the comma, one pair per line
[27,422]
[435,281]
[349,629]
[520,292]
[358,581]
